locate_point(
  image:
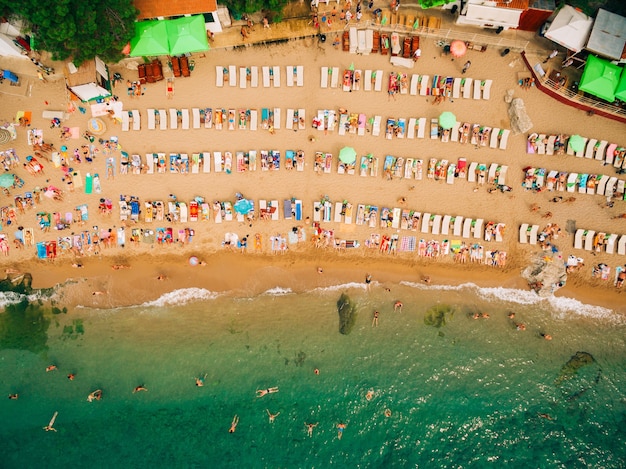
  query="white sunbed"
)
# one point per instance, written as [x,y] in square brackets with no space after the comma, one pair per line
[487,89]
[467,227]
[609,246]
[376,126]
[456,88]
[151,119]
[301,124]
[125,121]
[493,142]
[425,222]
[589,240]
[478,228]
[243,77]
[571,182]
[338,208]
[369,41]
[300,75]
[254,116]
[445,225]
[523,233]
[136,119]
[549,148]
[324,77]
[276,78]
[436,228]
[533,234]
[581,153]
[195,112]
[421,129]
[361,42]
[334,77]
[254,76]
[219,76]
[353,35]
[150,163]
[601,185]
[491,175]
[609,190]
[578,238]
[289,120]
[185,119]
[471,172]
[206,161]
[232,75]
[477,89]
[266,76]
[289,75]
[601,149]
[457,227]
[467,88]
[367,81]
[173,119]
[424,85]
[378,84]
[410,132]
[621,245]
[415,80]
[454,137]
[277,118]
[162,119]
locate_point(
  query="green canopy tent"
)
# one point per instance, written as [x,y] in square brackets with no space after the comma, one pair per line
[620,91]
[150,39]
[187,34]
[600,78]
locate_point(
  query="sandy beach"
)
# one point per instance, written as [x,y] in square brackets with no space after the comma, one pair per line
[256,271]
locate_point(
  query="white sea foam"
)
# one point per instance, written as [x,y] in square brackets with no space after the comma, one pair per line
[10,298]
[343,286]
[182,296]
[565,307]
[278,291]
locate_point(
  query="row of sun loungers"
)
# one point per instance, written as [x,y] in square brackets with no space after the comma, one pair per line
[131,117]
[601,150]
[249,76]
[562,181]
[241,119]
[590,240]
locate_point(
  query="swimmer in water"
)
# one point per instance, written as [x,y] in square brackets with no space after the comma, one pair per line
[340,428]
[233,424]
[263,392]
[272,416]
[369,395]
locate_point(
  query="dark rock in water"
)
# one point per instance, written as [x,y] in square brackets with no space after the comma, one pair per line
[570,369]
[347,314]
[19,284]
[300,358]
[436,315]
[24,326]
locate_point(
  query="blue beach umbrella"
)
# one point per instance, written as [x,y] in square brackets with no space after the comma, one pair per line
[243,206]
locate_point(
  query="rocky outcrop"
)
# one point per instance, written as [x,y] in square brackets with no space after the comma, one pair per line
[520,122]
[546,274]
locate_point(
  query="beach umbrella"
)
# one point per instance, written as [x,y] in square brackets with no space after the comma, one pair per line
[447,120]
[187,34]
[243,206]
[193,260]
[458,48]
[150,39]
[347,155]
[7,180]
[5,136]
[576,143]
[600,78]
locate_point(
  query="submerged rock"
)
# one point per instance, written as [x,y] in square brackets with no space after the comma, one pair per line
[436,315]
[347,314]
[570,369]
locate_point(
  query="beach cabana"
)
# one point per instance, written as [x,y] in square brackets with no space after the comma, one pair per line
[90,81]
[600,78]
[187,34]
[570,28]
[150,39]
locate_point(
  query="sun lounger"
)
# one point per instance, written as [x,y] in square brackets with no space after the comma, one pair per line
[532,234]
[609,157]
[434,129]
[571,182]
[456,88]
[621,245]
[367,81]
[289,120]
[454,133]
[589,236]
[173,119]
[467,88]
[491,176]
[415,79]
[445,225]
[477,86]
[609,243]
[436,224]
[421,127]
[162,119]
[486,85]
[266,76]
[378,84]
[289,75]
[219,76]
[493,142]
[276,77]
[467,228]
[338,210]
[410,133]
[361,46]
[125,121]
[504,138]
[232,75]
[334,77]
[369,41]
[425,222]
[579,238]
[324,77]
[471,172]
[354,39]
[582,183]
[317,212]
[549,147]
[376,126]
[477,226]
[457,226]
[254,76]
[523,233]
[243,77]
[195,112]
[424,85]
[600,149]
[185,119]
[300,75]
[277,118]
[609,190]
[362,123]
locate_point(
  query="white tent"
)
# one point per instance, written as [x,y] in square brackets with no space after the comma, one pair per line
[90,91]
[9,49]
[570,28]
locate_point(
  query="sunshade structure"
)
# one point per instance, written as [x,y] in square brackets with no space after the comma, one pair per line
[187,34]
[620,91]
[169,37]
[570,28]
[458,48]
[447,120]
[576,143]
[608,35]
[150,39]
[5,136]
[243,206]
[600,78]
[347,155]
[7,180]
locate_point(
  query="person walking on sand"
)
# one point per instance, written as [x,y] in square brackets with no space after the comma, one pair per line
[368,281]
[272,416]
[263,392]
[233,424]
[309,428]
[466,67]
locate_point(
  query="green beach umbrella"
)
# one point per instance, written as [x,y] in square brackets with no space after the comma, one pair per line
[352,67]
[347,155]
[576,143]
[150,39]
[600,78]
[447,120]
[187,34]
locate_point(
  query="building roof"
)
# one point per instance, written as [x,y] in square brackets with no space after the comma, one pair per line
[167,8]
[514,4]
[570,28]
[608,35]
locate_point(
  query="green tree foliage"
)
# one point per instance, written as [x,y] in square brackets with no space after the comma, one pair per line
[237,7]
[77,29]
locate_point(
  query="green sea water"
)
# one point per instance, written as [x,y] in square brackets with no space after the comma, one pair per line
[470,393]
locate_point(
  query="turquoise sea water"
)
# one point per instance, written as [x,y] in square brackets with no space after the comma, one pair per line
[472,393]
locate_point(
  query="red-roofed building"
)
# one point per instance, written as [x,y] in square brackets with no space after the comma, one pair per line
[163,9]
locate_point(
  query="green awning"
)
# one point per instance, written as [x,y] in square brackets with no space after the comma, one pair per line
[187,34]
[600,78]
[620,91]
[150,39]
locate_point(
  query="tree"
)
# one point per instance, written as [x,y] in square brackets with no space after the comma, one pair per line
[77,29]
[237,7]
